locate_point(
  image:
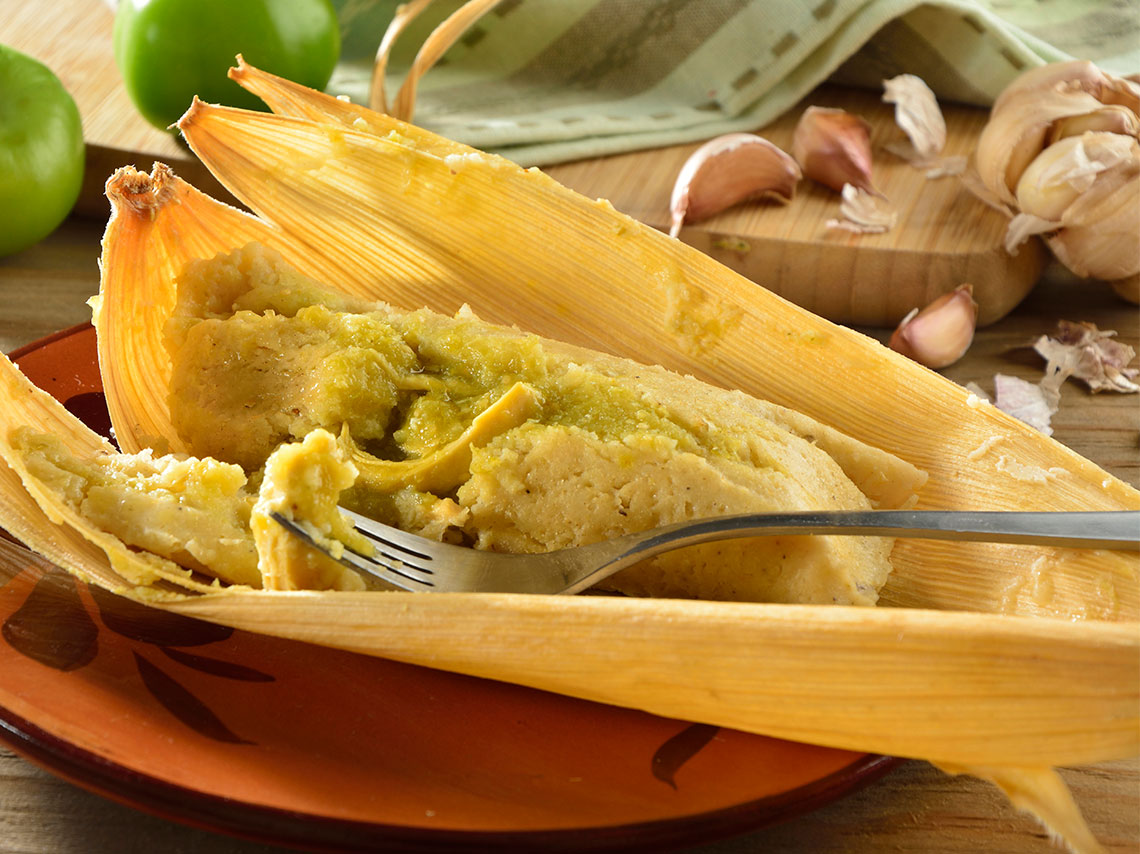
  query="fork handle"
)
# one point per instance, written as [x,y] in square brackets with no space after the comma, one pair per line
[1113,529]
[1110,529]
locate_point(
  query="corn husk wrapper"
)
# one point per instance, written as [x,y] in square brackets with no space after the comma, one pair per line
[967,672]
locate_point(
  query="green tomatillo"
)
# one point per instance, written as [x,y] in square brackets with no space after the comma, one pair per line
[41,151]
[168,51]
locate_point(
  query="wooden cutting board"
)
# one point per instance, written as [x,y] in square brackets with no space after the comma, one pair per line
[945,236]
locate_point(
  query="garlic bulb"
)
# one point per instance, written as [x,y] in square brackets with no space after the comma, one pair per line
[1060,149]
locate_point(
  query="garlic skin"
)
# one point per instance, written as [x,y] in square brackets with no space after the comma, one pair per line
[1100,233]
[1112,119]
[863,213]
[833,147]
[1060,150]
[918,114]
[1068,168]
[940,334]
[1075,74]
[728,170]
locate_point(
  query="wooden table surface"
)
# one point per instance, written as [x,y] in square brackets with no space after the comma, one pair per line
[913,808]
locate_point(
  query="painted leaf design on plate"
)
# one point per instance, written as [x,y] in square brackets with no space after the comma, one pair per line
[679,749]
[184,705]
[216,666]
[52,626]
[153,626]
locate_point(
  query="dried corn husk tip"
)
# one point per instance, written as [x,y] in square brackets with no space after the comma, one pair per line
[940,334]
[1060,149]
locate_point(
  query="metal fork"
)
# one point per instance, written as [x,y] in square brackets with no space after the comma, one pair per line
[413,563]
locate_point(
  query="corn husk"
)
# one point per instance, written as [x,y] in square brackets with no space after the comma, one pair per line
[380,208]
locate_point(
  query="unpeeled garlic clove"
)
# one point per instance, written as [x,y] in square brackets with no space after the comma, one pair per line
[940,334]
[834,147]
[1075,74]
[1098,237]
[728,170]
[1089,186]
[1111,119]
[1060,174]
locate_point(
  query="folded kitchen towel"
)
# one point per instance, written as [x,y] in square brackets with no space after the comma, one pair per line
[545,81]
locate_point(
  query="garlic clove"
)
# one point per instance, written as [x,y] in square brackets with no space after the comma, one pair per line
[941,333]
[834,148]
[1077,72]
[1114,189]
[1122,91]
[728,170]
[1100,234]
[1111,119]
[1061,173]
[1092,198]
[1078,75]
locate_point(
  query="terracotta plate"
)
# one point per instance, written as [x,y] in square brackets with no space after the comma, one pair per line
[297,744]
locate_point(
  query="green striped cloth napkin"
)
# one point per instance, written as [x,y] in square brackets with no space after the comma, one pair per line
[546,81]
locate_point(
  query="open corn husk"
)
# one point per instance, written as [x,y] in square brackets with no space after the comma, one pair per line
[380,208]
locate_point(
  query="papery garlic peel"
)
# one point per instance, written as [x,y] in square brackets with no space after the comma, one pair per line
[1066,169]
[918,114]
[833,147]
[728,170]
[1060,150]
[864,213]
[940,334]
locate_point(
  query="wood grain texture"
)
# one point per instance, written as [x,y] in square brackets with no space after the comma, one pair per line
[945,236]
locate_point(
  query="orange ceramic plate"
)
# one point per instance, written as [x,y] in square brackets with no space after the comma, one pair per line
[297,744]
